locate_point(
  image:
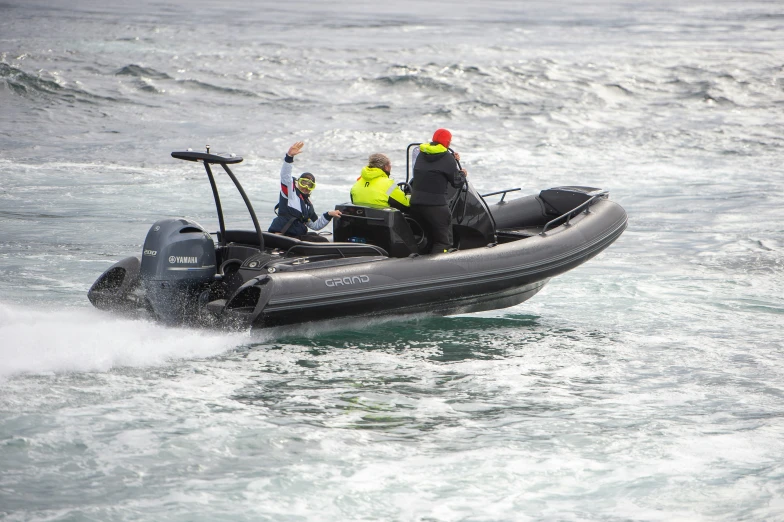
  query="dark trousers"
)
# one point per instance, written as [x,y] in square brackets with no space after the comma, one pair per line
[437,222]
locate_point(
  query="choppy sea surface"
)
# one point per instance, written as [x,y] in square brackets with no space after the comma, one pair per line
[647,384]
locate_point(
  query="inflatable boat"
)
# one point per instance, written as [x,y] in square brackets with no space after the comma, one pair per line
[374,264]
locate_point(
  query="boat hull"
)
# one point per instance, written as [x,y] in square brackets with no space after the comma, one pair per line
[259,280]
[496,276]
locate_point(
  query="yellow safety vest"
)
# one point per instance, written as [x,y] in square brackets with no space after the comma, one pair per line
[374,188]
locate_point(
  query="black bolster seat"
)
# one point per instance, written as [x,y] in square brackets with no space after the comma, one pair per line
[294,246]
[306,248]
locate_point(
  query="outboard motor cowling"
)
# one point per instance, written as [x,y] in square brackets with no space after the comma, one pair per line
[178,263]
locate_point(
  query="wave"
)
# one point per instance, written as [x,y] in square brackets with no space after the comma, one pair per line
[86,340]
[419,82]
[216,88]
[618,89]
[145,77]
[144,85]
[468,69]
[138,71]
[30,85]
[28,215]
[23,83]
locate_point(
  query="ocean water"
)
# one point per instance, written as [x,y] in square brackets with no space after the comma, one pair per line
[647,384]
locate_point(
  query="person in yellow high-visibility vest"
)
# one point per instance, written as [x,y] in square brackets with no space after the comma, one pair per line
[376,188]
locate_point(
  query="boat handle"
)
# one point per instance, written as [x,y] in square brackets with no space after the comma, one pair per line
[501,192]
[569,214]
[360,217]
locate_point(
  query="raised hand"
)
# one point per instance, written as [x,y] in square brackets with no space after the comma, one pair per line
[296,148]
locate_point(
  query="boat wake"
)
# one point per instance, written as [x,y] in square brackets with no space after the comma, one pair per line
[38,341]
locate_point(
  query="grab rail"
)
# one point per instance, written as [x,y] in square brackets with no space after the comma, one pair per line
[586,203]
[352,216]
[501,192]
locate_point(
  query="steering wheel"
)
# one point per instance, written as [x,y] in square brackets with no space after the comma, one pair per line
[423,242]
[405,187]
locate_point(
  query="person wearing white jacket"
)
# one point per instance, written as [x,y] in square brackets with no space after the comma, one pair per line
[295,210]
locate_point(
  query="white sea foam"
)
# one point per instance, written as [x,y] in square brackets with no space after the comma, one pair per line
[85,340]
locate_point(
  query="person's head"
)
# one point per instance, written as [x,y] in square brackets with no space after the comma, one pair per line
[306,183]
[380,161]
[442,137]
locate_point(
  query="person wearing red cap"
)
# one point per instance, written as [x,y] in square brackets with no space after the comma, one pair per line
[435,169]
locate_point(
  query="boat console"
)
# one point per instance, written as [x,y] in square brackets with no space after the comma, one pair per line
[396,232]
[400,234]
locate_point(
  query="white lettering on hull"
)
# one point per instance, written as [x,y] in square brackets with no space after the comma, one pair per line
[348,280]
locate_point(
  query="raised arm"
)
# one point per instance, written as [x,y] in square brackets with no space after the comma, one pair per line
[286,181]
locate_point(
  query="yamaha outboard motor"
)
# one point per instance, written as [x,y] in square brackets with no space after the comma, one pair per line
[178,264]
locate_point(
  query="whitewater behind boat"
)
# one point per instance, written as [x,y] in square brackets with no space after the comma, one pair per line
[374,266]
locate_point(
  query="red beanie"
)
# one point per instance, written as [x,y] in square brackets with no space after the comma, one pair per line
[442,136]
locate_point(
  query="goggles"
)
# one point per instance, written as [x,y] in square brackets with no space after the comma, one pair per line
[305,183]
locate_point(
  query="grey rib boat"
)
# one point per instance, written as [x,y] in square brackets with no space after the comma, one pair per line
[375,265]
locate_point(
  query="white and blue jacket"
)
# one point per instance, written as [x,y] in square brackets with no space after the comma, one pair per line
[295,210]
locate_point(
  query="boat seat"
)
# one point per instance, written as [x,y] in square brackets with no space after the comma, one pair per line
[342,249]
[294,246]
[249,237]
